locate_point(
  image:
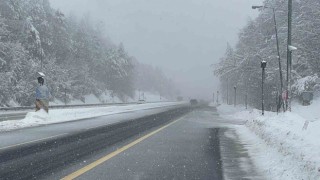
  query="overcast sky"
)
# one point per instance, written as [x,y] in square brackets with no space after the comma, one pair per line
[183,37]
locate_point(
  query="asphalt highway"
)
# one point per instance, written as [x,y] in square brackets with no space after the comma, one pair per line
[180,143]
[185,149]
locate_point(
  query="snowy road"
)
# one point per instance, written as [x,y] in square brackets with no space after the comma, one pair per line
[45,129]
[166,143]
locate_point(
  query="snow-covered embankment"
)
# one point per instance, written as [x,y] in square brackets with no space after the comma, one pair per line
[284,146]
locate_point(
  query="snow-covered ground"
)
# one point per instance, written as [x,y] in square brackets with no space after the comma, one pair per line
[284,146]
[62,115]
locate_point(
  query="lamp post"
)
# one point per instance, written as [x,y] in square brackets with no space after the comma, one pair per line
[263,66]
[277,39]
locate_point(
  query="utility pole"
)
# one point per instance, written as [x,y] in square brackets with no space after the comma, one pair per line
[278,50]
[289,53]
[263,66]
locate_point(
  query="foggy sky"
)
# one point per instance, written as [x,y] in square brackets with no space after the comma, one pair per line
[183,37]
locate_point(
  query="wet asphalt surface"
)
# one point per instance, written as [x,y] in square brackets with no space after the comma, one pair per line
[184,150]
[199,145]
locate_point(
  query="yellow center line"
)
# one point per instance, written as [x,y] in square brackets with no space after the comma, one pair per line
[114,153]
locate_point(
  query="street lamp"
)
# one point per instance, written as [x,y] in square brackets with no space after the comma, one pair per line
[277,39]
[263,66]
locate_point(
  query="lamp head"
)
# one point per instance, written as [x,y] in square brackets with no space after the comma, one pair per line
[263,64]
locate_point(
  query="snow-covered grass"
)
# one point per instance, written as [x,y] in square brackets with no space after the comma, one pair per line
[63,115]
[284,146]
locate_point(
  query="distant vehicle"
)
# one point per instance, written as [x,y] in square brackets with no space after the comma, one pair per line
[141,101]
[193,102]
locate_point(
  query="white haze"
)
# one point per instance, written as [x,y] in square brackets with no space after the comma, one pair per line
[183,37]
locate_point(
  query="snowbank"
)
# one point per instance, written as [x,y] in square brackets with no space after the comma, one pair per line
[290,141]
[62,115]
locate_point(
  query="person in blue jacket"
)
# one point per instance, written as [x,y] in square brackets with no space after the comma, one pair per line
[42,95]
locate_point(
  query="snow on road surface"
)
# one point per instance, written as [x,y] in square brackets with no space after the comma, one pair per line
[63,115]
[284,146]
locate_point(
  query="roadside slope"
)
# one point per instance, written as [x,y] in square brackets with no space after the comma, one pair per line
[286,145]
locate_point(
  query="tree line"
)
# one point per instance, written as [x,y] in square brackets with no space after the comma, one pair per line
[75,54]
[240,66]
